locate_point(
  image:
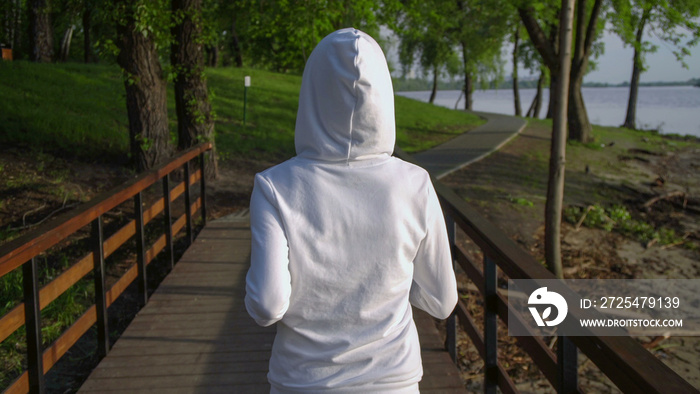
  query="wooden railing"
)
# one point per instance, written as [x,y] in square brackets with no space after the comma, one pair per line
[622,359]
[22,252]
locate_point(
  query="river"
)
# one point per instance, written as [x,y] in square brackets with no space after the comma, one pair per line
[669,109]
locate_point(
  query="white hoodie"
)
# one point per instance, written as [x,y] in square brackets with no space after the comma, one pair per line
[344,235]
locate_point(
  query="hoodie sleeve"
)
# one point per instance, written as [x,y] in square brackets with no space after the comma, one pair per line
[268,283]
[434,287]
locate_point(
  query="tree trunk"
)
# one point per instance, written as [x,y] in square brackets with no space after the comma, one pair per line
[145,84]
[468,82]
[468,90]
[212,52]
[65,43]
[435,82]
[40,32]
[194,119]
[557,161]
[630,118]
[236,45]
[17,36]
[538,102]
[552,94]
[87,25]
[536,106]
[516,92]
[580,128]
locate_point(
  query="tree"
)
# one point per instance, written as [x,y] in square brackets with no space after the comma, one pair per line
[435,32]
[557,160]
[195,122]
[40,31]
[137,23]
[280,34]
[481,29]
[516,92]
[11,15]
[87,27]
[587,27]
[668,20]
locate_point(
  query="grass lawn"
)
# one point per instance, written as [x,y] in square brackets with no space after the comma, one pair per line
[77,109]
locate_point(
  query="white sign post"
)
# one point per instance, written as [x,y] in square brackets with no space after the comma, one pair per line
[245,97]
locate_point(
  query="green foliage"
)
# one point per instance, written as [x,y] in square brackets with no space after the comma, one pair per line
[675,22]
[280,34]
[524,202]
[617,218]
[63,108]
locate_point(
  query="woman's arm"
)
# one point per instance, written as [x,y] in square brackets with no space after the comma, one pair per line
[268,283]
[434,287]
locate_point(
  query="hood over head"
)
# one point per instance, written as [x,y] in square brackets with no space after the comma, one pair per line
[346,103]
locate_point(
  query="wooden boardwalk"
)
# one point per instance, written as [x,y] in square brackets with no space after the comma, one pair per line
[195,336]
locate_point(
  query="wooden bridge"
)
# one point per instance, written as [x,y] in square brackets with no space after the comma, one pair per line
[194,335]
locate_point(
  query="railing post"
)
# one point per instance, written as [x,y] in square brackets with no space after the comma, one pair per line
[490,326]
[167,217]
[188,208]
[140,250]
[100,299]
[451,329]
[32,321]
[567,365]
[203,189]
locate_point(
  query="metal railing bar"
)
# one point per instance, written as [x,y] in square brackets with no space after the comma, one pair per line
[99,277]
[490,326]
[167,218]
[203,188]
[140,250]
[188,211]
[32,319]
[567,366]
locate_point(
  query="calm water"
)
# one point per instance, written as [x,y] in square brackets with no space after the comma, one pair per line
[674,109]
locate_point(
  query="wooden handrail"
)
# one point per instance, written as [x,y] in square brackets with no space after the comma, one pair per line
[18,251]
[22,251]
[631,367]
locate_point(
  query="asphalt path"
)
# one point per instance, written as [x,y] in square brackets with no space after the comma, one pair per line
[472,145]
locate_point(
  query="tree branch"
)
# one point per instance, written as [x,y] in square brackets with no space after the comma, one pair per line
[539,39]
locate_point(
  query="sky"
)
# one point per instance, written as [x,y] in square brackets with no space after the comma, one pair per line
[615,64]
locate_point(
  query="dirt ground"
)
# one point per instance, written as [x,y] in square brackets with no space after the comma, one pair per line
[508,187]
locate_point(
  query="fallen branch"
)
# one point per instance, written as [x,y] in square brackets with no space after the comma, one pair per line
[666,196]
[681,242]
[583,217]
[26,226]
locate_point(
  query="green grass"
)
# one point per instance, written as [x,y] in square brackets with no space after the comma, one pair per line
[272,108]
[79,110]
[68,108]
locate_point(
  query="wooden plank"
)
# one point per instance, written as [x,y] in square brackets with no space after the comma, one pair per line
[12,320]
[131,371]
[174,381]
[69,338]
[186,359]
[20,385]
[195,334]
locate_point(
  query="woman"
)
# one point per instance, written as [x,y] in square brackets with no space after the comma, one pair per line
[345,237]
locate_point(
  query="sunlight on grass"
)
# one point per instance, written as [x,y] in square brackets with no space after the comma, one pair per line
[77,109]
